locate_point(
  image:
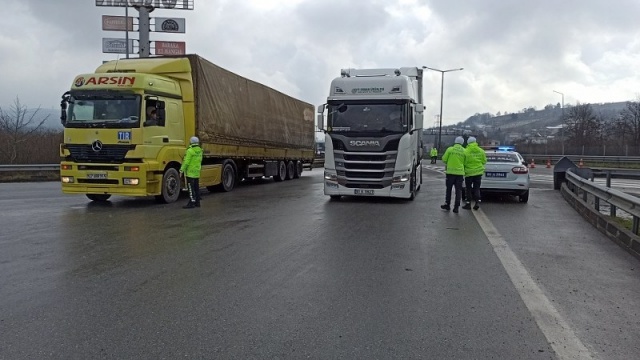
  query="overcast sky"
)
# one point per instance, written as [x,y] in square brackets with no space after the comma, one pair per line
[514,52]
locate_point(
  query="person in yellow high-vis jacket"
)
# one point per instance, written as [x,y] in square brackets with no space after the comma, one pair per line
[474,162]
[433,154]
[454,158]
[191,166]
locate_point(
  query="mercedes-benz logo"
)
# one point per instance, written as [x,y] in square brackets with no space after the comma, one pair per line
[96,146]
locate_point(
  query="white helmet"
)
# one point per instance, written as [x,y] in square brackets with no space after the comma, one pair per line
[471,139]
[194,140]
[459,140]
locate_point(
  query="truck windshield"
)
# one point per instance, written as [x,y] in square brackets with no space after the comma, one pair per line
[89,109]
[367,117]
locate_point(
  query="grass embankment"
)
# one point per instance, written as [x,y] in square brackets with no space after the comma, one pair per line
[624,222]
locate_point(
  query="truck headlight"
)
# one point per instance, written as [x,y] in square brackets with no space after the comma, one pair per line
[401,178]
[130,181]
[330,177]
[66,179]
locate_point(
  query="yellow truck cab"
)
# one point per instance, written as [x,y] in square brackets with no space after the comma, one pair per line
[112,146]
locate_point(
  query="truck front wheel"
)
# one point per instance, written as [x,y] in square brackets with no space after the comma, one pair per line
[170,186]
[412,186]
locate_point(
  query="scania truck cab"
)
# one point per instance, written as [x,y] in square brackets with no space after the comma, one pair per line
[373,133]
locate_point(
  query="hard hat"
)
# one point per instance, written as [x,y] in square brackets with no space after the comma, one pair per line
[471,139]
[459,140]
[194,140]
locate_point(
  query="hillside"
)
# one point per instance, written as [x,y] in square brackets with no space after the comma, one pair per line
[527,122]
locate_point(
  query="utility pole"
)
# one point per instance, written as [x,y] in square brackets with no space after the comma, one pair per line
[144,44]
[562,128]
[441,100]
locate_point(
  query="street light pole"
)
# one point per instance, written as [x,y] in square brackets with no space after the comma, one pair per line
[562,128]
[439,147]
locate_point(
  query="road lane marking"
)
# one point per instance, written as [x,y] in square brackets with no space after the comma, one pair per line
[560,336]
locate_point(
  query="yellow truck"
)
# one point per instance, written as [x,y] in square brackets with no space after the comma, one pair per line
[112,146]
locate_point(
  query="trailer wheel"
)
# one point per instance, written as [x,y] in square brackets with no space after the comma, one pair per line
[228,178]
[299,169]
[99,197]
[282,172]
[170,186]
[291,169]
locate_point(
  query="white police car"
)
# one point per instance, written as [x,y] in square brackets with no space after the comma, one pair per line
[506,172]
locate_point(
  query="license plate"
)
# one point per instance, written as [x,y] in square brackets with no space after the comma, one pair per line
[96,176]
[363,192]
[496,174]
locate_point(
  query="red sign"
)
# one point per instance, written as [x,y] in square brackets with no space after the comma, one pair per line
[170,47]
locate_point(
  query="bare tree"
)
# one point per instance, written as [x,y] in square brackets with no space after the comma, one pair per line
[17,125]
[582,125]
[631,117]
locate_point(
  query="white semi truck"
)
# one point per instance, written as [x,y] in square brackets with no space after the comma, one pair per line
[373,133]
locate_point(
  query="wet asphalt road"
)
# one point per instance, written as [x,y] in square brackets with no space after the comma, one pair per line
[276,270]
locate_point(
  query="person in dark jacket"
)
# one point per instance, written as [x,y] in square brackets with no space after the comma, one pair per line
[191,166]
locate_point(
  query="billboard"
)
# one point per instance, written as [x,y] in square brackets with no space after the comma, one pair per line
[172,25]
[116,23]
[116,46]
[160,4]
[170,47]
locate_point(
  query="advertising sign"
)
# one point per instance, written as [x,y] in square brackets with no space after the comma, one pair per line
[116,46]
[172,25]
[170,48]
[160,4]
[116,23]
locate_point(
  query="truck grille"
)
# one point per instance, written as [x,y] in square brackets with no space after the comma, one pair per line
[108,153]
[365,169]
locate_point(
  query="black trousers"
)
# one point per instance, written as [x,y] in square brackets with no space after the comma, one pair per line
[433,159]
[193,185]
[454,181]
[473,187]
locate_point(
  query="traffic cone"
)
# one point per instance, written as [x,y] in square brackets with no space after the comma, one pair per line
[548,163]
[581,164]
[533,163]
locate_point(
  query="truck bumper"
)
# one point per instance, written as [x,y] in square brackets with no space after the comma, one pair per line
[132,179]
[397,190]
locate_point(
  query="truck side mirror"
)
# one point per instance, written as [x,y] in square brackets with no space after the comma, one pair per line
[63,108]
[320,117]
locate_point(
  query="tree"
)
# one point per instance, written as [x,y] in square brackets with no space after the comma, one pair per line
[17,125]
[582,125]
[631,118]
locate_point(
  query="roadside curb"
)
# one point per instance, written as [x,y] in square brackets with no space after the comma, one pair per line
[621,236]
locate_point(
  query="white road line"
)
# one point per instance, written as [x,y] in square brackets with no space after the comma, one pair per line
[560,336]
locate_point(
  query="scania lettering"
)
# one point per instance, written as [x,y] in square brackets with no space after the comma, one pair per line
[364,143]
[373,133]
[246,130]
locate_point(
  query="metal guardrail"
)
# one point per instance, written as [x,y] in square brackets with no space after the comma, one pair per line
[30,167]
[615,198]
[541,158]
